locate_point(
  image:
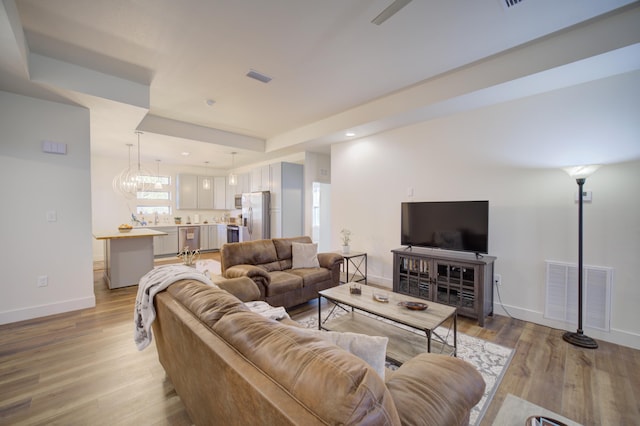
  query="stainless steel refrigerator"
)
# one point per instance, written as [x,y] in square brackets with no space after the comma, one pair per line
[256,208]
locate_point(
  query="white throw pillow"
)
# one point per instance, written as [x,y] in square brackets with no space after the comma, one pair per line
[371,349]
[304,255]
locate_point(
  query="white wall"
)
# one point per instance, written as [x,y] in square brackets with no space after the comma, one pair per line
[533,217]
[34,183]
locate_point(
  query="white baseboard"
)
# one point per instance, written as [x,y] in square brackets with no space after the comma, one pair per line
[617,336]
[46,310]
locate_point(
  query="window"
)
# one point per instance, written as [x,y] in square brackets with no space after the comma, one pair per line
[155,200]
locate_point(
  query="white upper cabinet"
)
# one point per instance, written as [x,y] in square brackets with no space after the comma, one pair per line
[199,192]
[261,178]
[187,192]
[219,193]
[205,192]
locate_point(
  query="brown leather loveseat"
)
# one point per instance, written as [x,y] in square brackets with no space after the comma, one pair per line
[269,263]
[232,366]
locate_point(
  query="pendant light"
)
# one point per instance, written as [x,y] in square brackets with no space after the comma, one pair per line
[122,182]
[131,181]
[206,182]
[158,184]
[233,179]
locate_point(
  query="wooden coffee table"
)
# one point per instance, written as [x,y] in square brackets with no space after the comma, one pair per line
[368,316]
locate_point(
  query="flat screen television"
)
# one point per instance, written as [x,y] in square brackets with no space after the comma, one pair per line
[449,225]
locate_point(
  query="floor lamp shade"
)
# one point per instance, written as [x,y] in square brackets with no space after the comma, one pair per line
[578,338]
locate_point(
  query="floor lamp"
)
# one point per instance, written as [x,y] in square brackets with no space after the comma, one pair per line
[580,174]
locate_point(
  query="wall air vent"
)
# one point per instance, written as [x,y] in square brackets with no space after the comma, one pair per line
[507,4]
[561,301]
[258,76]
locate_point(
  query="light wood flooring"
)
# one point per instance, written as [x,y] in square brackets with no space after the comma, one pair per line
[82,368]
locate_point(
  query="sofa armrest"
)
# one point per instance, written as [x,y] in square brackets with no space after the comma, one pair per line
[329,260]
[242,287]
[258,275]
[435,389]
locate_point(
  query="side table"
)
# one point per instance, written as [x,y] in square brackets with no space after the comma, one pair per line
[357,262]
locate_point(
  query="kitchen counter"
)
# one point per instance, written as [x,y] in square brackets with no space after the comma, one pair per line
[171,225]
[134,233]
[128,255]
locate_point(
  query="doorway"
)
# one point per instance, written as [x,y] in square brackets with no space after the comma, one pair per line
[321,216]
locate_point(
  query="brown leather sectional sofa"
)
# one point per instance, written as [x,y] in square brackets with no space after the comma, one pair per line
[232,366]
[269,264]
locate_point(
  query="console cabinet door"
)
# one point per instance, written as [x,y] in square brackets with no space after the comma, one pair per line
[455,286]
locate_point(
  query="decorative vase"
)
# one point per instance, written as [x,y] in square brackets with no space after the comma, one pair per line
[345,249]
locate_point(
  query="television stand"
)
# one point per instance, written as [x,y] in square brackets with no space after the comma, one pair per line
[459,279]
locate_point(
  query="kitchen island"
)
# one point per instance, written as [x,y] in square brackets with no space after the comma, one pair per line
[127,255]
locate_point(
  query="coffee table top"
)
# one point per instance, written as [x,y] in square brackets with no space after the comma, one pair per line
[428,319]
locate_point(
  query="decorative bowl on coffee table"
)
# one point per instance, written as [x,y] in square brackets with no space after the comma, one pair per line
[414,306]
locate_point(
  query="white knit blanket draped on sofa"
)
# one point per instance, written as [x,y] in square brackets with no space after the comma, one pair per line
[150,284]
[162,277]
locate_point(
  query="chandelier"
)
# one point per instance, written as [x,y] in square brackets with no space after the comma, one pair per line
[130,181]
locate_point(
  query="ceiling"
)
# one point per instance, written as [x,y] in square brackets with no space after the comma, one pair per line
[152,65]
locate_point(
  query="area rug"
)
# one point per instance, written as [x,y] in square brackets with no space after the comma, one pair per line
[490,360]
[515,411]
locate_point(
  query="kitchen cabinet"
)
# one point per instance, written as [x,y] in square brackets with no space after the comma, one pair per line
[193,194]
[261,178]
[287,199]
[242,186]
[209,237]
[219,193]
[212,237]
[204,237]
[222,235]
[205,192]
[128,256]
[187,193]
[232,190]
[165,244]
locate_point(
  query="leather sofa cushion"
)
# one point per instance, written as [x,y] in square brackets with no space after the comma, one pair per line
[260,252]
[283,282]
[283,245]
[311,275]
[209,304]
[284,250]
[434,380]
[336,385]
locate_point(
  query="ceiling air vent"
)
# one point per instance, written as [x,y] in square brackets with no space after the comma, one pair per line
[507,4]
[258,76]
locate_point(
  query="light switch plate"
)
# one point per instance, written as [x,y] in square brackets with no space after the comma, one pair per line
[586,196]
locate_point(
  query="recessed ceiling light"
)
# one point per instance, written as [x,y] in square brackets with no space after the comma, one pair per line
[349,134]
[185,154]
[210,102]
